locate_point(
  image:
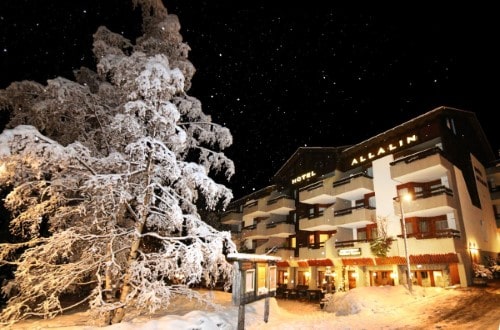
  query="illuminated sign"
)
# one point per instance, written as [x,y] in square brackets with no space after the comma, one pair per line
[350,252]
[384,150]
[303,177]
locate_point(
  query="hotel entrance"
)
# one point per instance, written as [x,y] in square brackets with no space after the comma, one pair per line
[379,278]
[429,278]
[352,277]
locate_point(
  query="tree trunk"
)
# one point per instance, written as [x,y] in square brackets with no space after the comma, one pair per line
[119,313]
[108,290]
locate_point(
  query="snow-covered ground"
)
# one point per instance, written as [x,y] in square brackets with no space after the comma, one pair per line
[362,308]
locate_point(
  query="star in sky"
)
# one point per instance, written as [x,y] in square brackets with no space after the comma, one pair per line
[280,76]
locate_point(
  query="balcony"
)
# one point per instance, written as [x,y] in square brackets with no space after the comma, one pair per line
[354,187]
[255,231]
[423,166]
[429,203]
[350,243]
[266,229]
[313,251]
[255,209]
[231,217]
[354,217]
[284,253]
[320,192]
[323,221]
[446,233]
[280,229]
[280,205]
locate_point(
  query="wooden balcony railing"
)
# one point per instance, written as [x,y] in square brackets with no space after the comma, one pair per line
[348,179]
[447,233]
[418,155]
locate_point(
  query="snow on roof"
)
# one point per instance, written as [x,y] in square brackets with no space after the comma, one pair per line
[252,257]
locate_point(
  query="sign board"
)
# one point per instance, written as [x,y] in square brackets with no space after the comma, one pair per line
[254,278]
[349,252]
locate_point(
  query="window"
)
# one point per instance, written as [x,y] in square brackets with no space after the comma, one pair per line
[409,228]
[423,226]
[302,278]
[323,237]
[362,234]
[282,277]
[441,224]
[372,202]
[321,210]
[321,278]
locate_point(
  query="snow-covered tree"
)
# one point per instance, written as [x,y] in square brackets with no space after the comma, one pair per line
[381,245]
[102,177]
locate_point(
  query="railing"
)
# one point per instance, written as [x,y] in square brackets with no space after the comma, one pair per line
[446,233]
[312,245]
[418,155]
[349,210]
[337,213]
[274,224]
[276,199]
[350,243]
[254,203]
[278,248]
[235,210]
[312,186]
[251,227]
[434,192]
[348,179]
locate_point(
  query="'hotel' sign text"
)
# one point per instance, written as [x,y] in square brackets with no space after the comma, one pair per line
[303,177]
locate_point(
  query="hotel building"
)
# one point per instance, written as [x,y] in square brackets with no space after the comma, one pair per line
[335,214]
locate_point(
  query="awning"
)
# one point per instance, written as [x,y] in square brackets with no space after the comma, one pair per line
[283,264]
[449,258]
[320,262]
[395,260]
[358,261]
[302,263]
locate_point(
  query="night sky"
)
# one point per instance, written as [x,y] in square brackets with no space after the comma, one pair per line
[286,76]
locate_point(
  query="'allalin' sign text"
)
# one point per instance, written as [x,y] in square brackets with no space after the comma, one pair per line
[384,150]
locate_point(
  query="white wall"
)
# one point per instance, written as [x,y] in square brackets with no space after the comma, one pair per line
[385,191]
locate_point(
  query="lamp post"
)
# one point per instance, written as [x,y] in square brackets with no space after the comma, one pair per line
[408,271]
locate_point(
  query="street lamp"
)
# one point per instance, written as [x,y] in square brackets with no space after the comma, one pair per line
[400,199]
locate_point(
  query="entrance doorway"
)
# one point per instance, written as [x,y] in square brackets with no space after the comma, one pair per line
[379,278]
[352,276]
